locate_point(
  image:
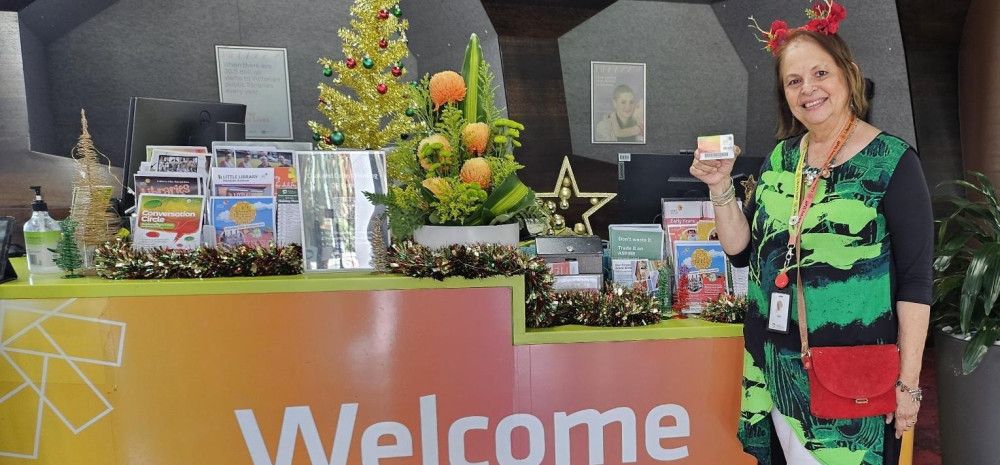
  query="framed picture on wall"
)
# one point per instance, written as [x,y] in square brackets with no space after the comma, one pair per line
[617,103]
[258,78]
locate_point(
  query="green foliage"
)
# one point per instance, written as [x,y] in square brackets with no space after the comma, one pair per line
[501,167]
[967,268]
[67,252]
[459,204]
[402,165]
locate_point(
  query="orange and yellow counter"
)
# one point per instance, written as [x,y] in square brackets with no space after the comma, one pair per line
[349,368]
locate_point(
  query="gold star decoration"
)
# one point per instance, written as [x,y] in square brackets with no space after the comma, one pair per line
[567,188]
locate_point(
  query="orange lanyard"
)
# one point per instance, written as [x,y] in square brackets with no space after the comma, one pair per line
[805,203]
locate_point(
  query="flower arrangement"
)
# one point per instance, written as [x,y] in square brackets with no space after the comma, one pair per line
[458,168]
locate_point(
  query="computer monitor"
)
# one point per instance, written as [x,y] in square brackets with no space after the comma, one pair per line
[645,178]
[156,121]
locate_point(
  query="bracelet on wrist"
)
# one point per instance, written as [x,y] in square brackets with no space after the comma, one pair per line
[725,198]
[916,393]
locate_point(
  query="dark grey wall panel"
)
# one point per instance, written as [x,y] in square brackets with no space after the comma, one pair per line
[438,45]
[135,48]
[872,31]
[166,49]
[13,110]
[36,85]
[695,81]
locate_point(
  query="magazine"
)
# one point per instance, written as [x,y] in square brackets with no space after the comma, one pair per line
[178,162]
[153,182]
[243,220]
[168,221]
[174,148]
[243,182]
[244,156]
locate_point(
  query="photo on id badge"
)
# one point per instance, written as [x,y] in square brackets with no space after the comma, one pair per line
[778,316]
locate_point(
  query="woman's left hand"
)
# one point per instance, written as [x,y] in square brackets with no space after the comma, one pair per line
[906,412]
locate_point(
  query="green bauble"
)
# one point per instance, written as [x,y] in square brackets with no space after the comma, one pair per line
[397,11]
[316,137]
[367,62]
[337,138]
[410,112]
[327,71]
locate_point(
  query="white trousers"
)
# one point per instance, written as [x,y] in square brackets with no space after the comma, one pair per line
[795,452]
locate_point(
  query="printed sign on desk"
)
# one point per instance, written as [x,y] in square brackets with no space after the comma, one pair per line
[258,78]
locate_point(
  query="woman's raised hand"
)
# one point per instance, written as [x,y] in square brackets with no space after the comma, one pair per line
[715,173]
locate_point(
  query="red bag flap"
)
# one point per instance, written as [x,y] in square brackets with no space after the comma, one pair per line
[857,372]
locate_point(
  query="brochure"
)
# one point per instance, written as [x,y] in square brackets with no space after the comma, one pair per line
[243,220]
[168,221]
[702,270]
[286,186]
[243,182]
[636,241]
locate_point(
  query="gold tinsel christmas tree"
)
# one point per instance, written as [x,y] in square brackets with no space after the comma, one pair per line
[366,103]
[92,191]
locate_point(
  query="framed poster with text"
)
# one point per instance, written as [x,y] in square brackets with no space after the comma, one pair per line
[258,78]
[617,103]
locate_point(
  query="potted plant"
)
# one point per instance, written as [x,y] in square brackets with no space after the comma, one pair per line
[966,314]
[454,181]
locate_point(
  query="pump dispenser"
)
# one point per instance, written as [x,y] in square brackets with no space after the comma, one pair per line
[41,236]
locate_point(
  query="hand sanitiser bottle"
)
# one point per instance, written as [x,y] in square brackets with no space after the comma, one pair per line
[41,233]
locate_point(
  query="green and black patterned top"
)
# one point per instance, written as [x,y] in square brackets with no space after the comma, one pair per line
[867,243]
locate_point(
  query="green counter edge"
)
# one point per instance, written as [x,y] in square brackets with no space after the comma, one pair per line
[53,287]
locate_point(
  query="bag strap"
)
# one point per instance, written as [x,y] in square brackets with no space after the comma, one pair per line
[800,298]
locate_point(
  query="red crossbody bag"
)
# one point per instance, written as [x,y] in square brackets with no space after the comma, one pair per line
[847,382]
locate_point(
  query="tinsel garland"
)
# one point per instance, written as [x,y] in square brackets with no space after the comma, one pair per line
[726,309]
[117,260]
[543,307]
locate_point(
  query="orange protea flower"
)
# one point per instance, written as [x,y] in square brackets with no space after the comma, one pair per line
[437,186]
[447,87]
[436,138]
[476,170]
[474,136]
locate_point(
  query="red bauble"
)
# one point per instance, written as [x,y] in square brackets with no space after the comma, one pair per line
[382,88]
[383,14]
[396,71]
[781,281]
[382,43]
[351,63]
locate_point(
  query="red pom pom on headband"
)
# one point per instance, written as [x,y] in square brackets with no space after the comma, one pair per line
[824,17]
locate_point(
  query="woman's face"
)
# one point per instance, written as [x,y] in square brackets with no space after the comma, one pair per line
[625,105]
[815,88]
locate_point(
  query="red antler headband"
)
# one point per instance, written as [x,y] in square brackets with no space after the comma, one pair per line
[824,18]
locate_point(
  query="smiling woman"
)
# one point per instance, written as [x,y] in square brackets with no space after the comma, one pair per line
[842,208]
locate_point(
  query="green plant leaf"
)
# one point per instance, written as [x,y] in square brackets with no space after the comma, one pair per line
[985,258]
[948,250]
[946,285]
[977,348]
[510,196]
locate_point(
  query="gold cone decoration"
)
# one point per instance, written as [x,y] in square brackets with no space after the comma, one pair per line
[93,188]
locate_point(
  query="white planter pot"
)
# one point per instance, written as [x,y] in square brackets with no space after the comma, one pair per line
[435,237]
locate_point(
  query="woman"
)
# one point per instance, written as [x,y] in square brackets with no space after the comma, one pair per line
[622,125]
[866,250]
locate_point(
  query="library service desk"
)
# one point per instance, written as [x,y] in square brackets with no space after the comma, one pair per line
[349,368]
